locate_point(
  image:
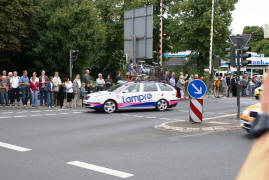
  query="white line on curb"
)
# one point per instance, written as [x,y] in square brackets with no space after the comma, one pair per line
[13,147]
[216,117]
[100,169]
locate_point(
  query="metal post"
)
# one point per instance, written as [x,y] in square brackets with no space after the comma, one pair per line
[211,38]
[134,50]
[238,75]
[161,35]
[70,65]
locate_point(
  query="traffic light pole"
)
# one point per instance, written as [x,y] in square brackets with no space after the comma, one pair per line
[70,65]
[238,75]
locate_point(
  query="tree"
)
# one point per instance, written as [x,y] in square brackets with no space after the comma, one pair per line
[257,42]
[62,25]
[191,21]
[15,19]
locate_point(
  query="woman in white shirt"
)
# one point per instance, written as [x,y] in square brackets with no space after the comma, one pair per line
[69,92]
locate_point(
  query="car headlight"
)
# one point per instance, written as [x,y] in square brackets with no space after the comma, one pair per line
[245,113]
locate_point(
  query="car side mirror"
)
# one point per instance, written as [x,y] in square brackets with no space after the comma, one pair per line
[124,91]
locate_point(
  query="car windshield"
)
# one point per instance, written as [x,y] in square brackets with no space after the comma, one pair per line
[114,88]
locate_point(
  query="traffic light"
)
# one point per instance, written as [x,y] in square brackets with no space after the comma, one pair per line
[74,55]
[245,56]
[231,55]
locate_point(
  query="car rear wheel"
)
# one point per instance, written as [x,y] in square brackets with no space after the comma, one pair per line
[162,105]
[110,106]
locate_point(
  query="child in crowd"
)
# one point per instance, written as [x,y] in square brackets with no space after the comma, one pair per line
[83,92]
[90,87]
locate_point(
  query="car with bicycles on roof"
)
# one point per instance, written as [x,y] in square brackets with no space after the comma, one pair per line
[133,95]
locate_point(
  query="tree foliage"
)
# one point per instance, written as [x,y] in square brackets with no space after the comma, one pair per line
[15,18]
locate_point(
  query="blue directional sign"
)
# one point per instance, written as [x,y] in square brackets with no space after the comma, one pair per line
[196,88]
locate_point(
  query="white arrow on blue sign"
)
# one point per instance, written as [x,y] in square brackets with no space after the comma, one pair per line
[196,89]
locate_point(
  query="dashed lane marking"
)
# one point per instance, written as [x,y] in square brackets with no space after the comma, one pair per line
[165,119]
[100,169]
[138,116]
[77,112]
[50,114]
[13,147]
[19,116]
[5,117]
[35,115]
[7,112]
[20,112]
[151,117]
[35,111]
[64,113]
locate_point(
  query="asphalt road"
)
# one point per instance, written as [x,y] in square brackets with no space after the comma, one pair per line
[77,144]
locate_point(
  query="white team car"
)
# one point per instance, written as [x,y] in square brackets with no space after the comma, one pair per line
[133,95]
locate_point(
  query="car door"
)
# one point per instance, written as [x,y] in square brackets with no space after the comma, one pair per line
[130,97]
[150,92]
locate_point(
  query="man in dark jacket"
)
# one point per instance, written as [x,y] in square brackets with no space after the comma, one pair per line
[43,80]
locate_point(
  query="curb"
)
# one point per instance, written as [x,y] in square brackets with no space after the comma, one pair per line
[165,126]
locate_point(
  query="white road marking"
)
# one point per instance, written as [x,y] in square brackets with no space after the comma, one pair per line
[179,120]
[13,147]
[216,117]
[36,115]
[48,110]
[5,117]
[77,112]
[222,113]
[7,112]
[22,112]
[51,114]
[151,117]
[164,118]
[64,113]
[138,116]
[126,114]
[209,113]
[100,169]
[19,116]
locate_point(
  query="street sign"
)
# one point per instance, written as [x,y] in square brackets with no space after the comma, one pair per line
[243,40]
[196,88]
[138,33]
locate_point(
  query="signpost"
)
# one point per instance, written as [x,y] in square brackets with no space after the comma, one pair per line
[240,41]
[196,90]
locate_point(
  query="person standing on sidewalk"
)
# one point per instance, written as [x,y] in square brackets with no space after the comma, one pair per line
[108,82]
[43,80]
[34,88]
[181,86]
[76,88]
[61,94]
[100,82]
[69,92]
[15,89]
[25,83]
[9,88]
[228,82]
[172,80]
[50,88]
[4,90]
[224,86]
[244,86]
[87,77]
[118,77]
[56,83]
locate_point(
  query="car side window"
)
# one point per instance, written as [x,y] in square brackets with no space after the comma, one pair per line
[134,88]
[149,87]
[165,87]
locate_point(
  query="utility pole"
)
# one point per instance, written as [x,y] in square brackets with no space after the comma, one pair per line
[211,49]
[160,54]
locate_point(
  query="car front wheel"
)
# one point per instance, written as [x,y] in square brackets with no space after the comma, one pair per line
[110,106]
[162,105]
